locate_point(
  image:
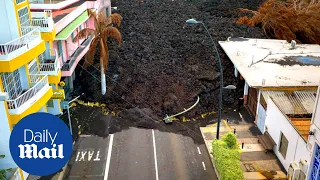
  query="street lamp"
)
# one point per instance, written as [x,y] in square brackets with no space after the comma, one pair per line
[66,106]
[194,21]
[230,87]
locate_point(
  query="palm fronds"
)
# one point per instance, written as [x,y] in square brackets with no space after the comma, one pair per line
[111,32]
[92,51]
[289,19]
[83,34]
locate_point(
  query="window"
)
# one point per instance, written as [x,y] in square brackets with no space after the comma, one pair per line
[53,86]
[24,19]
[33,67]
[11,83]
[50,103]
[283,147]
[59,48]
[19,1]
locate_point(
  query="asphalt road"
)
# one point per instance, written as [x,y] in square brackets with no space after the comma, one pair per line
[140,154]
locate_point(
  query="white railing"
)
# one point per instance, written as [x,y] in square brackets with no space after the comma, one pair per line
[38,82]
[49,62]
[20,45]
[45,1]
[43,20]
[45,24]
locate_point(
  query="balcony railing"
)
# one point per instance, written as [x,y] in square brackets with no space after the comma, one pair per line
[45,1]
[43,20]
[71,59]
[38,82]
[49,62]
[18,46]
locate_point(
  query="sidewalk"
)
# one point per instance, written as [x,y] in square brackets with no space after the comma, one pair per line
[254,161]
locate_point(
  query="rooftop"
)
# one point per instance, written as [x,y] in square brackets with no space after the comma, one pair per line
[274,63]
[59,14]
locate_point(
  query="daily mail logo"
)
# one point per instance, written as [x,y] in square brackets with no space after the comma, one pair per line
[41,140]
[32,151]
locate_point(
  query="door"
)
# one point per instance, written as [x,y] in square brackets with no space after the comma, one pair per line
[252,101]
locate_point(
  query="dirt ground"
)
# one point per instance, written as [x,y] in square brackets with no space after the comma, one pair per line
[163,64]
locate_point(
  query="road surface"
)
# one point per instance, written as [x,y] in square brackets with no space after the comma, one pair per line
[140,154]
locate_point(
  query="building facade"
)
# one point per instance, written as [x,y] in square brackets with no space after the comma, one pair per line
[37,60]
[279,81]
[29,74]
[68,17]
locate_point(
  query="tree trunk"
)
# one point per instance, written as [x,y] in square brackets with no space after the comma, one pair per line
[103,79]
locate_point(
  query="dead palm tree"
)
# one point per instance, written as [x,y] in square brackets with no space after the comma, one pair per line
[104,28]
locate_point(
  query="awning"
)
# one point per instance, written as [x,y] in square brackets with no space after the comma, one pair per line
[66,32]
[293,102]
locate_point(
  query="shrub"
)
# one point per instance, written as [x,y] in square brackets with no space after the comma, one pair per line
[231,140]
[3,174]
[287,19]
[226,154]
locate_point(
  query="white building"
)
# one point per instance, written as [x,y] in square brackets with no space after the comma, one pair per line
[280,81]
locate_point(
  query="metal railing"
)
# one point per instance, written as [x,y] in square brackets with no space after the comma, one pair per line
[43,20]
[49,62]
[71,59]
[45,24]
[38,82]
[45,1]
[20,44]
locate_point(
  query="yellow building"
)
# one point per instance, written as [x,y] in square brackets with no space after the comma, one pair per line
[29,72]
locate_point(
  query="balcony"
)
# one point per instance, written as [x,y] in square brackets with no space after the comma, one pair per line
[50,4]
[70,65]
[16,47]
[43,20]
[29,97]
[49,62]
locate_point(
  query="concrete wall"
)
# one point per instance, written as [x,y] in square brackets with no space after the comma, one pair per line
[8,21]
[56,109]
[276,123]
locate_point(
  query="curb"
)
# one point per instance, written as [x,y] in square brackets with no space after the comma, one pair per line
[61,175]
[210,155]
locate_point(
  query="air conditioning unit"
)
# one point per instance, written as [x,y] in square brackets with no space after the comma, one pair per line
[302,175]
[303,165]
[293,172]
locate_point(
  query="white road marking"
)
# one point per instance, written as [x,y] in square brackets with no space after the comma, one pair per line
[106,171]
[155,155]
[204,166]
[199,150]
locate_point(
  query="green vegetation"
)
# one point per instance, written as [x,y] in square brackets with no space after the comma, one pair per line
[226,153]
[3,173]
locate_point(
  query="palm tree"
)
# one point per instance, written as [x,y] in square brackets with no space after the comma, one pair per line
[104,28]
